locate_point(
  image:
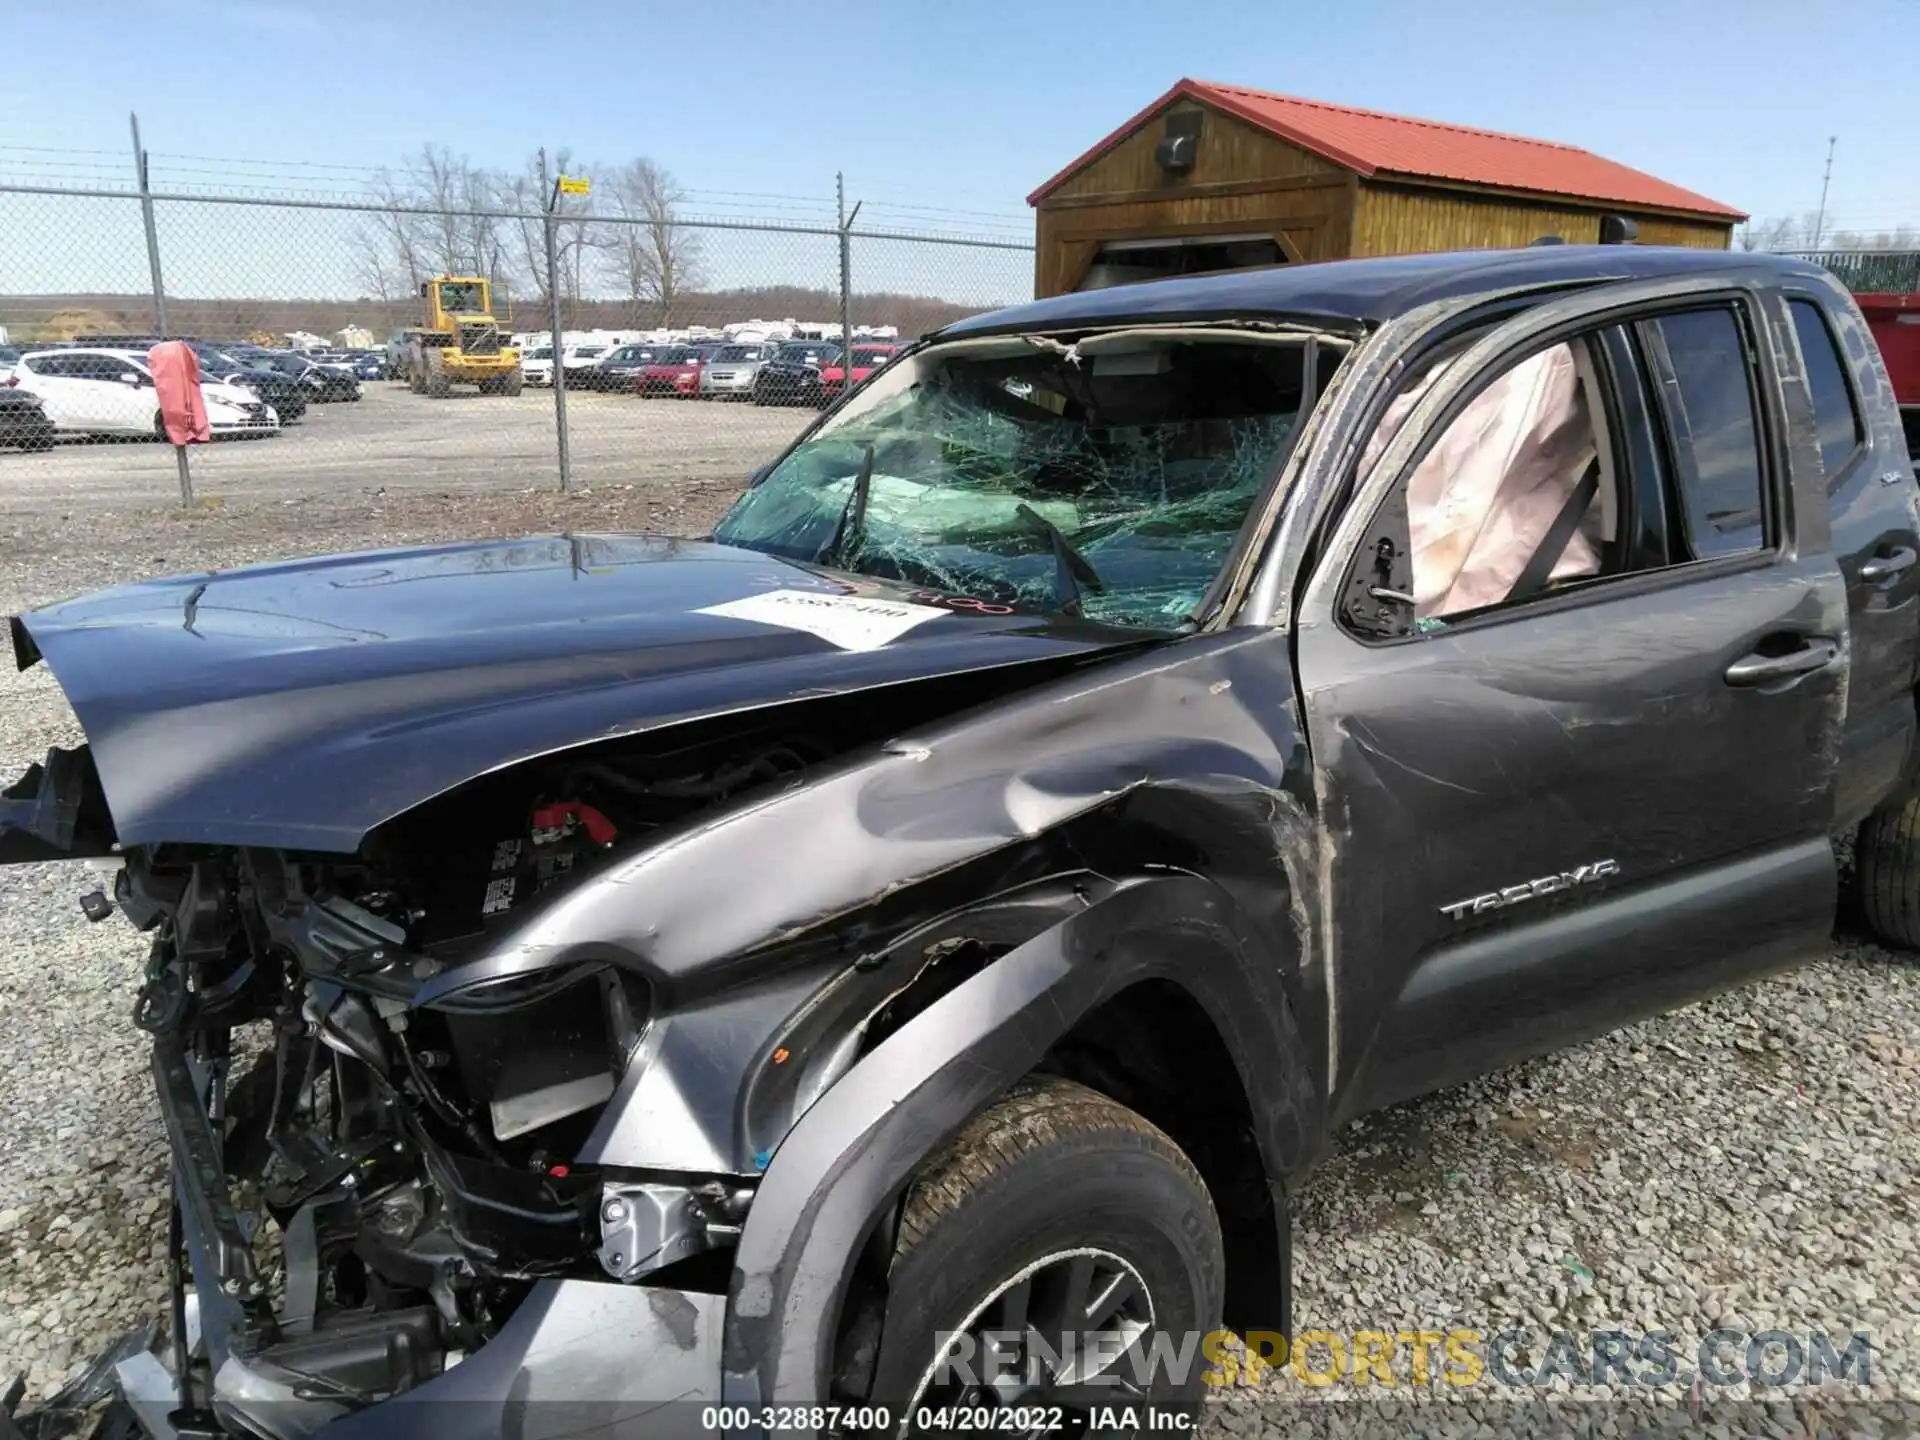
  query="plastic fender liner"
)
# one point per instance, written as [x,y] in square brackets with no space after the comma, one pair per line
[849,1155]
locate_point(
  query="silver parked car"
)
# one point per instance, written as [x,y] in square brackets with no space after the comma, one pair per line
[729,374]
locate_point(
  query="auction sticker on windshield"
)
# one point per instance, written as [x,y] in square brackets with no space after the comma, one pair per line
[844,620]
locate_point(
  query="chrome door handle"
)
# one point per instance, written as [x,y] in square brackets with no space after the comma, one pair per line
[1758,669]
[1885,567]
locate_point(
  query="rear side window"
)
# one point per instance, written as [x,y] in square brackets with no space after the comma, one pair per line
[1834,414]
[1706,393]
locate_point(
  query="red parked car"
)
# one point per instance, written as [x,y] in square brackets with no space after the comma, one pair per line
[675,372]
[866,360]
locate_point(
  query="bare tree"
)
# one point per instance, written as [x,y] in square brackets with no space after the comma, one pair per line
[1798,232]
[1901,237]
[525,193]
[655,258]
[386,247]
[1780,232]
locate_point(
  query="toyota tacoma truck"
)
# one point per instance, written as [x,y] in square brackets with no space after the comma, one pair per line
[617,984]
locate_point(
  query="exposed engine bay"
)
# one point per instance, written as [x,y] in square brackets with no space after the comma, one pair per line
[377,1179]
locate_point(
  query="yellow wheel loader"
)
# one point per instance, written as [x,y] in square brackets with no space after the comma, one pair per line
[460,343]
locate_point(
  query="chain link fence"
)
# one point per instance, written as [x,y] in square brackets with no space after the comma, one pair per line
[1869,272]
[691,347]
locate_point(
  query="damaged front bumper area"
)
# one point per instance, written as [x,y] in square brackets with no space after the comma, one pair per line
[380,1223]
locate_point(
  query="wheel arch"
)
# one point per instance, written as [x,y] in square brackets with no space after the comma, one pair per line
[1156,1049]
[1076,991]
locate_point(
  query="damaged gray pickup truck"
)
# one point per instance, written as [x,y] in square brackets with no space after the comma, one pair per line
[891,960]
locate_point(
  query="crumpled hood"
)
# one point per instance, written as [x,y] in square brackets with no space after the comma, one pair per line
[298,705]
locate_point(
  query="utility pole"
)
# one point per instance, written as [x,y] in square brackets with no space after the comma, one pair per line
[553,318]
[846,278]
[153,234]
[1820,221]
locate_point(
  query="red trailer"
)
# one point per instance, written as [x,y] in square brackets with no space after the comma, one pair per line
[1894,320]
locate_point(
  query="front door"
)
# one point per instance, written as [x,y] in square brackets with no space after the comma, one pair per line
[121,395]
[1573,681]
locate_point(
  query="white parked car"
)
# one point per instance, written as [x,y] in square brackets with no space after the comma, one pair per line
[536,365]
[580,358]
[110,392]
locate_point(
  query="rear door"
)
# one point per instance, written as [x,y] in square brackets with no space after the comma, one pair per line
[1561,796]
[119,395]
[1869,496]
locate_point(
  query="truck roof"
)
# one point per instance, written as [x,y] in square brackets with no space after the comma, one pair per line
[1368,291]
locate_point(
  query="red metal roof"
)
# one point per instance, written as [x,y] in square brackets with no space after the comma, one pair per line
[1374,143]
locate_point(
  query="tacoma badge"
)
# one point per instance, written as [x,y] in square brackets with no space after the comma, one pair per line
[1531,889]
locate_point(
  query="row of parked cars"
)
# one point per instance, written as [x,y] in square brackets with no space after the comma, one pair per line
[790,372]
[69,388]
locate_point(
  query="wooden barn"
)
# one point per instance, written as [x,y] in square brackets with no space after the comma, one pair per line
[1213,177]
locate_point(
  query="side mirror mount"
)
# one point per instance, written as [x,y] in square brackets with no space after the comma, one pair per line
[133,378]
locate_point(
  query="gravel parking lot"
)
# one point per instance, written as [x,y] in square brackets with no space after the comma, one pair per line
[394,440]
[1749,1163]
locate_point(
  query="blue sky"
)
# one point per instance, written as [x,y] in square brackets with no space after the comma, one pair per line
[969,103]
[965,104]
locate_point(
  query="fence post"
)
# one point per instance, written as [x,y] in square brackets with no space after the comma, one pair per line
[846,279]
[153,233]
[553,320]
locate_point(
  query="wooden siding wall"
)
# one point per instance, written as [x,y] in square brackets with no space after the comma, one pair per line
[1392,219]
[1244,181]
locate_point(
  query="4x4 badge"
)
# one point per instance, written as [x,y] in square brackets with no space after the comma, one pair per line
[1531,890]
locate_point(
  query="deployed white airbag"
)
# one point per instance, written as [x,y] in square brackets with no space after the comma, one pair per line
[1485,495]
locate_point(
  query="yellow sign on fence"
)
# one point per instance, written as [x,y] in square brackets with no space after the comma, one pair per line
[575,185]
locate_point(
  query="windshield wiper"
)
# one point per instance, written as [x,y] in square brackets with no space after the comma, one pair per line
[853,518]
[1072,571]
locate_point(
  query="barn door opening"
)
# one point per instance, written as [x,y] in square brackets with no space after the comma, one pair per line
[1125,262]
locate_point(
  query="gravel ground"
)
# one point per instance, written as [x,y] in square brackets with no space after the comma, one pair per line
[402,441]
[1749,1163]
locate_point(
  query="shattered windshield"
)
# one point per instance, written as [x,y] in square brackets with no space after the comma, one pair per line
[1107,480]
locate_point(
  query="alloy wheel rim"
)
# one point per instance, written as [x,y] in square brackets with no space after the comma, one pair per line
[1070,1330]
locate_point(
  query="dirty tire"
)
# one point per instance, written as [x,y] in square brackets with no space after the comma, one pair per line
[511,382]
[1886,861]
[416,379]
[437,384]
[1052,1166]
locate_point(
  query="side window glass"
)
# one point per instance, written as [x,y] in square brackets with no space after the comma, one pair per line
[1706,392]
[1514,496]
[1834,413]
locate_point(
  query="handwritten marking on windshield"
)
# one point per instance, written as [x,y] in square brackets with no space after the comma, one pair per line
[959,602]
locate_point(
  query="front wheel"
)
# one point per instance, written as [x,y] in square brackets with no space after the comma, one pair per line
[1039,1256]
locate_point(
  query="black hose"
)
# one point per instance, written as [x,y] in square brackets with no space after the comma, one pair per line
[176,1276]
